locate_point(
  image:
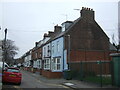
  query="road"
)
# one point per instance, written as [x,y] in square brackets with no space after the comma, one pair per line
[30,81]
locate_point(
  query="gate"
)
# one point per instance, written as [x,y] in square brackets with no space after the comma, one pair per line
[98,72]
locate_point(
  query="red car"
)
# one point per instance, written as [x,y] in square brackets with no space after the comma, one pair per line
[12,75]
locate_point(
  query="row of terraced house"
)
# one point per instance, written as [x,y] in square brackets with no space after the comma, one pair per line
[73,41]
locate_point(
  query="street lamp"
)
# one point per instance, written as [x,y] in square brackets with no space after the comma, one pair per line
[4,59]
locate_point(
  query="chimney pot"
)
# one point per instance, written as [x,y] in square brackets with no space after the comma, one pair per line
[87,13]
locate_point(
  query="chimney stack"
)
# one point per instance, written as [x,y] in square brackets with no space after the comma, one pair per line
[57,29]
[50,33]
[45,35]
[36,43]
[87,13]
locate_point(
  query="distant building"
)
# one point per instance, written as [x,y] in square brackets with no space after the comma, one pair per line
[119,21]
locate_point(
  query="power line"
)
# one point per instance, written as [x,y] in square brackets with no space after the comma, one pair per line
[18,30]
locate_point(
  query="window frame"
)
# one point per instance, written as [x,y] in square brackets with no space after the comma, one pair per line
[47,64]
[55,64]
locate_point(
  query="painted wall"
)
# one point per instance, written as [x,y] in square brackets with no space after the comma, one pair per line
[57,52]
[45,51]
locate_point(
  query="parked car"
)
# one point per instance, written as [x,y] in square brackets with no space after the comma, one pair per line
[12,75]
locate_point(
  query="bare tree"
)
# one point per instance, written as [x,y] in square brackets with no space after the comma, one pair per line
[10,51]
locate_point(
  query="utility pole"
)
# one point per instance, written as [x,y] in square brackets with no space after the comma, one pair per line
[4,59]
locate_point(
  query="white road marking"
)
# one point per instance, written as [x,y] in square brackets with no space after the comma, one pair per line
[17,87]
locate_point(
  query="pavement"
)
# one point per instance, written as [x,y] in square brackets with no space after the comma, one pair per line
[73,84]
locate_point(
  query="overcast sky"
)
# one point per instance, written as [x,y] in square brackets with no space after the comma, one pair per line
[28,20]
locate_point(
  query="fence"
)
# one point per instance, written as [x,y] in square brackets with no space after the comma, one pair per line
[96,71]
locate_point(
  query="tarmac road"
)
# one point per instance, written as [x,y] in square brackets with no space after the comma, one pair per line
[29,81]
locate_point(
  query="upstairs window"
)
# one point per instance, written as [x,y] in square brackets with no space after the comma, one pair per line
[53,48]
[58,48]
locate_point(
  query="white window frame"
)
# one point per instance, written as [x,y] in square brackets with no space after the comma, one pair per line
[58,48]
[55,64]
[48,50]
[39,64]
[47,64]
[53,48]
[44,51]
[35,64]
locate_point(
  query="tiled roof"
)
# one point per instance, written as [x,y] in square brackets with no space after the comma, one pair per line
[56,36]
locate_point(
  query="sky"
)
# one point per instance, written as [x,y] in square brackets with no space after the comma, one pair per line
[28,20]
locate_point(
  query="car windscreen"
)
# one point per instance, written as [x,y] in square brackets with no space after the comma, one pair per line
[12,70]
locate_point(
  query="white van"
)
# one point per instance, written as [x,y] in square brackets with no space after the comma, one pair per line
[5,66]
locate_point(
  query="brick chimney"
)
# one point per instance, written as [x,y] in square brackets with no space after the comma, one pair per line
[57,29]
[45,35]
[50,33]
[87,13]
[36,43]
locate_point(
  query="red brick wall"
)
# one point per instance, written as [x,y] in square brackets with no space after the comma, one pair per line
[38,51]
[50,74]
[80,55]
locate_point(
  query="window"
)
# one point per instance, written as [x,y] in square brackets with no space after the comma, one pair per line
[53,48]
[36,55]
[48,53]
[44,51]
[39,64]
[57,46]
[40,55]
[56,64]
[13,70]
[47,64]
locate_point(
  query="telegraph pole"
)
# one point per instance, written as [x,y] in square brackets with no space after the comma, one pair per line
[4,59]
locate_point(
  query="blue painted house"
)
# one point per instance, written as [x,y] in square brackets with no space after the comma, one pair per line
[53,55]
[57,55]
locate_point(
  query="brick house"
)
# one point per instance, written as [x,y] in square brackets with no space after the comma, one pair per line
[38,53]
[72,42]
[83,40]
[37,57]
[27,60]
[87,39]
[53,55]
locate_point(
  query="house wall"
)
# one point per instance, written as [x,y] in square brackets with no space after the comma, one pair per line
[87,39]
[57,52]
[46,51]
[81,55]
[87,35]
[50,74]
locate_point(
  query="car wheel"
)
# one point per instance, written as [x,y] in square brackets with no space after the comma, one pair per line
[19,83]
